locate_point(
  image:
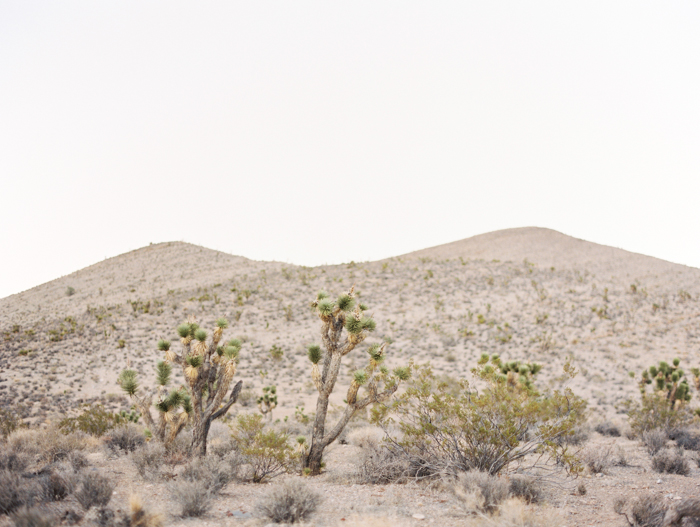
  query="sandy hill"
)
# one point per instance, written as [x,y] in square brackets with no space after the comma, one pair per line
[549,248]
[531,294]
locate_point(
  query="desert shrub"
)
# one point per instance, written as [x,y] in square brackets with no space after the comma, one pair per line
[654,440]
[577,436]
[378,464]
[647,510]
[607,428]
[13,461]
[480,430]
[479,491]
[288,502]
[9,422]
[193,497]
[686,438]
[598,459]
[654,412]
[149,460]
[669,461]
[526,488]
[214,474]
[513,513]
[267,453]
[94,490]
[47,445]
[94,420]
[124,439]
[26,517]
[140,517]
[55,486]
[13,492]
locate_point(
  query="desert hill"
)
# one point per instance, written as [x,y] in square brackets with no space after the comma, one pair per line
[531,294]
[549,248]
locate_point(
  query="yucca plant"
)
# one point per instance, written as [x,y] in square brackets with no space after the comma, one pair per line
[377,381]
[668,381]
[208,368]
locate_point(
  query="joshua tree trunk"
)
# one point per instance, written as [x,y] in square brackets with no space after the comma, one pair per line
[337,316]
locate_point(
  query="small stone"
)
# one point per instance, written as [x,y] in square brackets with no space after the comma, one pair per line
[658,481]
[417,516]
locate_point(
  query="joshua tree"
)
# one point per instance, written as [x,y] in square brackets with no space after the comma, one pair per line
[268,401]
[668,381]
[209,370]
[379,383]
[517,375]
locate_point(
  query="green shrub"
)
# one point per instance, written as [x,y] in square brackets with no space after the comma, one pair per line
[94,420]
[483,430]
[266,452]
[654,412]
[9,422]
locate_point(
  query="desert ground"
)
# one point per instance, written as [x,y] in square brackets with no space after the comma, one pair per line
[527,294]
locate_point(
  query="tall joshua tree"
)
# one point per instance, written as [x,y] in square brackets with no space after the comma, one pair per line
[378,382]
[209,370]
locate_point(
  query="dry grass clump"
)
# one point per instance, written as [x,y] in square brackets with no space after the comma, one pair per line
[598,460]
[654,440]
[669,461]
[94,490]
[149,460]
[211,472]
[687,439]
[479,492]
[513,513]
[56,486]
[125,439]
[193,497]
[14,492]
[526,488]
[26,517]
[647,510]
[607,428]
[140,517]
[48,445]
[377,464]
[288,502]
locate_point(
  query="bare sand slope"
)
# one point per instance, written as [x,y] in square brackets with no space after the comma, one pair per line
[549,248]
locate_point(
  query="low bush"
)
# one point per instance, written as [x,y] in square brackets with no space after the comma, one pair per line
[13,492]
[688,439]
[9,422]
[647,510]
[211,472]
[94,420]
[288,502]
[149,460]
[598,459]
[376,463]
[94,490]
[484,430]
[55,486]
[526,488]
[47,445]
[654,412]
[193,497]
[654,440]
[266,452]
[140,517]
[26,517]
[13,461]
[479,492]
[607,428]
[124,439]
[670,462]
[514,513]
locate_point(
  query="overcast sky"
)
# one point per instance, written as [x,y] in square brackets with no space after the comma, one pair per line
[324,132]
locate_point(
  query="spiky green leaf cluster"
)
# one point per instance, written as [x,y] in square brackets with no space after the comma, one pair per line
[669,379]
[345,303]
[222,323]
[163,371]
[325,307]
[163,345]
[127,381]
[200,335]
[360,377]
[355,327]
[314,353]
[187,330]
[194,360]
[375,351]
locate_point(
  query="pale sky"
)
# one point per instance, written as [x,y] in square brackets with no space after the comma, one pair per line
[324,132]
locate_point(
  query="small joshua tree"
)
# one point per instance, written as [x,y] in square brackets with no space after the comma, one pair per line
[209,370]
[668,381]
[268,401]
[379,383]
